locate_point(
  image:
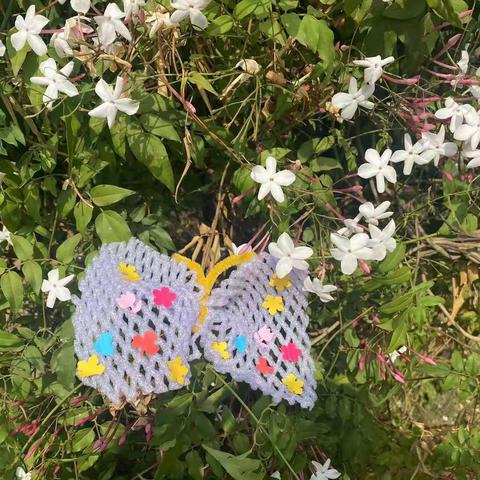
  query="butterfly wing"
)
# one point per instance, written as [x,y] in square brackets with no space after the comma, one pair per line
[143,339]
[261,332]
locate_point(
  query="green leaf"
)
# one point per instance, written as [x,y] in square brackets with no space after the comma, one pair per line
[200,81]
[324,164]
[239,467]
[12,287]
[399,334]
[21,375]
[8,340]
[220,25]
[393,259]
[315,147]
[111,227]
[16,58]
[82,440]
[103,195]
[83,214]
[150,150]
[66,251]
[398,304]
[63,364]
[33,274]
[66,202]
[159,126]
[257,7]
[22,247]
[119,135]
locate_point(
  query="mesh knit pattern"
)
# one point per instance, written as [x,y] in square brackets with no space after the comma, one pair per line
[242,338]
[137,323]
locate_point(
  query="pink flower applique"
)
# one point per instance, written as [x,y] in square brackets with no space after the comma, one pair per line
[263,337]
[290,352]
[128,301]
[164,297]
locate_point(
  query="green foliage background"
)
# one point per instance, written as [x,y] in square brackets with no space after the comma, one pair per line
[70,184]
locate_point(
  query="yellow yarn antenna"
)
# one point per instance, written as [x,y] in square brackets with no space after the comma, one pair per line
[208,281]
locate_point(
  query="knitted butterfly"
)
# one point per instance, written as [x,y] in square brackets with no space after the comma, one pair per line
[142,316]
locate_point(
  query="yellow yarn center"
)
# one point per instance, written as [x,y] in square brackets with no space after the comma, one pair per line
[208,281]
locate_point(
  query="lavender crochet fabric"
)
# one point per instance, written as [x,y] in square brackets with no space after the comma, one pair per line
[269,351]
[137,320]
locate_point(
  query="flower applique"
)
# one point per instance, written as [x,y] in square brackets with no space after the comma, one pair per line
[164,297]
[104,344]
[273,304]
[240,343]
[290,352]
[129,272]
[177,370]
[280,284]
[221,348]
[146,343]
[128,301]
[263,337]
[90,367]
[293,384]
[263,366]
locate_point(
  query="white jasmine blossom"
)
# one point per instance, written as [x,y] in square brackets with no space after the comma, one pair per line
[289,256]
[474,155]
[21,474]
[373,67]
[435,142]
[349,250]
[112,102]
[55,287]
[192,9]
[453,111]
[6,236]
[55,80]
[351,227]
[373,214]
[382,241]
[470,130]
[315,286]
[3,49]
[270,180]
[28,31]
[81,6]
[397,353]
[110,24]
[378,166]
[349,102]
[132,7]
[324,472]
[73,31]
[414,153]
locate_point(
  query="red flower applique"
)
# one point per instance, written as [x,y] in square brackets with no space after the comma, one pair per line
[164,297]
[263,366]
[290,352]
[146,343]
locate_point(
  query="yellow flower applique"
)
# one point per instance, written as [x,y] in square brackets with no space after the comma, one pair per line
[280,283]
[90,367]
[129,272]
[177,370]
[221,348]
[293,384]
[273,304]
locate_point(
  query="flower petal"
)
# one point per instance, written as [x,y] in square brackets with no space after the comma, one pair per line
[284,178]
[277,192]
[284,267]
[285,243]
